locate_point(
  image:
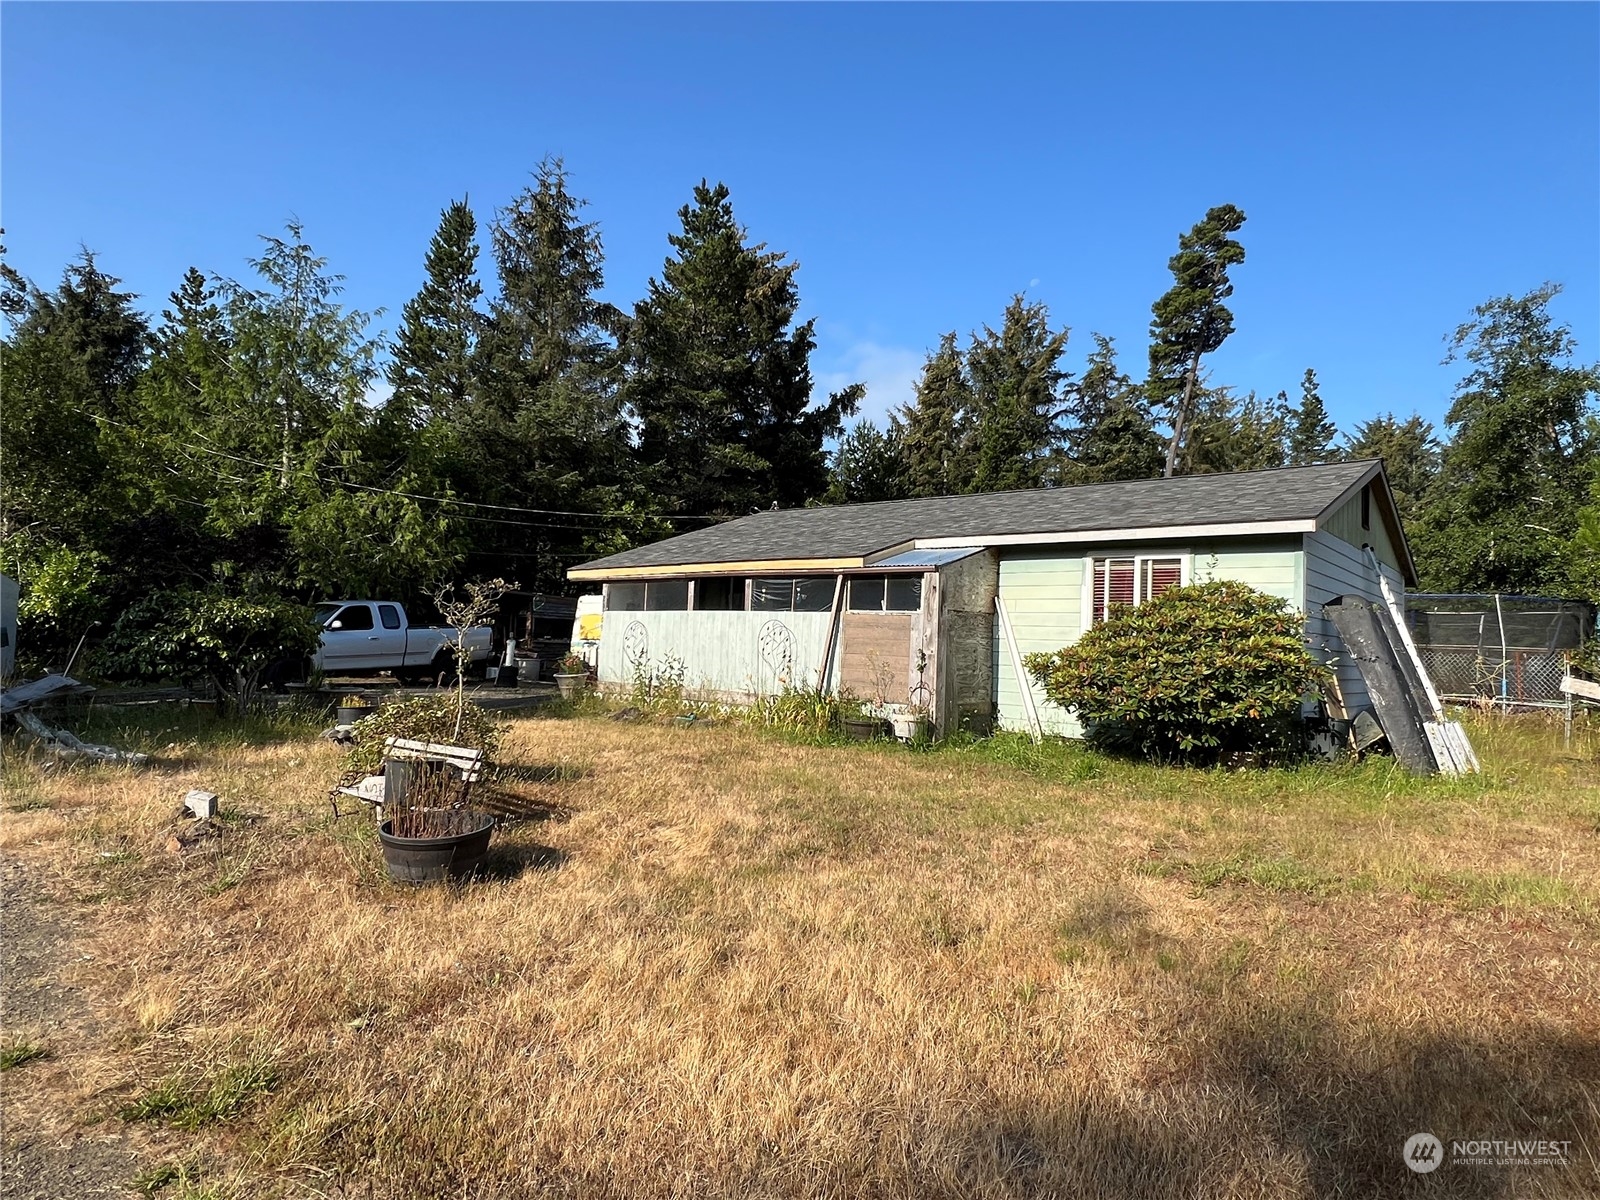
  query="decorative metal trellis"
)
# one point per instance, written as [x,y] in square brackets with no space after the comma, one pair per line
[1510,651]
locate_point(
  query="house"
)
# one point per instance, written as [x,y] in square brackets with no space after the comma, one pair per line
[909,601]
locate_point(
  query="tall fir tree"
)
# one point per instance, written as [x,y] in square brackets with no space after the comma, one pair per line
[1311,433]
[1190,320]
[430,365]
[720,377]
[547,419]
[1504,510]
[99,330]
[1410,454]
[1232,434]
[936,424]
[1016,390]
[1111,436]
[869,464]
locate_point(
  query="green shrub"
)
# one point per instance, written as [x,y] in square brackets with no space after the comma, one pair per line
[1198,672]
[424,719]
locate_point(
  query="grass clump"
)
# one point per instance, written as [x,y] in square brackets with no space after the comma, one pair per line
[184,1100]
[16,1051]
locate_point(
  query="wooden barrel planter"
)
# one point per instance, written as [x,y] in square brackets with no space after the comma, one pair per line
[426,844]
[863,729]
[450,854]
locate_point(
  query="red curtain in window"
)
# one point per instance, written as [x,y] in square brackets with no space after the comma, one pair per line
[1113,585]
[1159,575]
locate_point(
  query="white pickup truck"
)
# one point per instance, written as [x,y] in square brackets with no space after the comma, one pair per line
[360,637]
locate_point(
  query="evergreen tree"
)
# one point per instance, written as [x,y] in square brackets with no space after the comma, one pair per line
[720,383]
[1190,319]
[547,429]
[936,424]
[1410,454]
[1236,435]
[99,330]
[430,367]
[1111,437]
[72,362]
[869,464]
[1503,513]
[1311,434]
[1016,390]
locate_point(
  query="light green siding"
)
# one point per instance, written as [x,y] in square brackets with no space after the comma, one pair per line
[1344,523]
[1043,592]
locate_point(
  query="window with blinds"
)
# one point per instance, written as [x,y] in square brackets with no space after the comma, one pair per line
[1124,582]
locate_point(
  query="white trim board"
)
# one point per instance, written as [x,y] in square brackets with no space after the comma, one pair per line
[1104,536]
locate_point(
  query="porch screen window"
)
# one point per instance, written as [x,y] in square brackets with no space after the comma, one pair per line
[719,593]
[625,597]
[1124,582]
[885,593]
[666,595]
[803,594]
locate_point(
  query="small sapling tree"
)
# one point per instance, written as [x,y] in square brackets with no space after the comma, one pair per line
[462,609]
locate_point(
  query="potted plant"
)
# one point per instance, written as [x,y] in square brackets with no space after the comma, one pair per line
[353,708]
[910,723]
[572,670]
[858,724]
[430,829]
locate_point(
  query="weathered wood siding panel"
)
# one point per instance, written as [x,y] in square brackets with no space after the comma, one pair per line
[965,680]
[878,651]
[1334,568]
[736,655]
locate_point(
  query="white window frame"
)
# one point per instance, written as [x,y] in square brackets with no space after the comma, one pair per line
[1086,611]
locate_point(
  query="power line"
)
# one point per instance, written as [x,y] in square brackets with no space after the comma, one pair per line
[617,513]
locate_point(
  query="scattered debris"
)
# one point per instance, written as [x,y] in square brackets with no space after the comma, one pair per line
[51,687]
[65,746]
[344,735]
[200,805]
[628,714]
[192,836]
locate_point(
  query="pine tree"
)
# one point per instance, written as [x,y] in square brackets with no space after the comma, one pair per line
[720,383]
[1410,454]
[936,424]
[1311,434]
[869,464]
[98,329]
[1236,435]
[1016,388]
[547,429]
[1190,319]
[1504,510]
[1111,437]
[430,367]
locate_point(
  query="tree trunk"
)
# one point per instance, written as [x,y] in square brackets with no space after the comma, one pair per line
[1189,379]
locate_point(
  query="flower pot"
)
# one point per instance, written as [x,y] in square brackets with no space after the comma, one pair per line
[349,714]
[909,727]
[456,852]
[570,685]
[862,729]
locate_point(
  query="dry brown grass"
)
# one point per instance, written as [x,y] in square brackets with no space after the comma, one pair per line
[731,965]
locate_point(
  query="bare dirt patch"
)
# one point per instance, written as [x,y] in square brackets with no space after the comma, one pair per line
[50,1153]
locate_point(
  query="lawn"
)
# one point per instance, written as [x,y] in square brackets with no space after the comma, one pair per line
[718,962]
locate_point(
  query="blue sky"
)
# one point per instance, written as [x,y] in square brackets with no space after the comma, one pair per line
[1398,163]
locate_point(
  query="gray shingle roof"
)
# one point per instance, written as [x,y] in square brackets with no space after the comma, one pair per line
[857,530]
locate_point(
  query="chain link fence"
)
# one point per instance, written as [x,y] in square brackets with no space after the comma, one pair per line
[1508,650]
